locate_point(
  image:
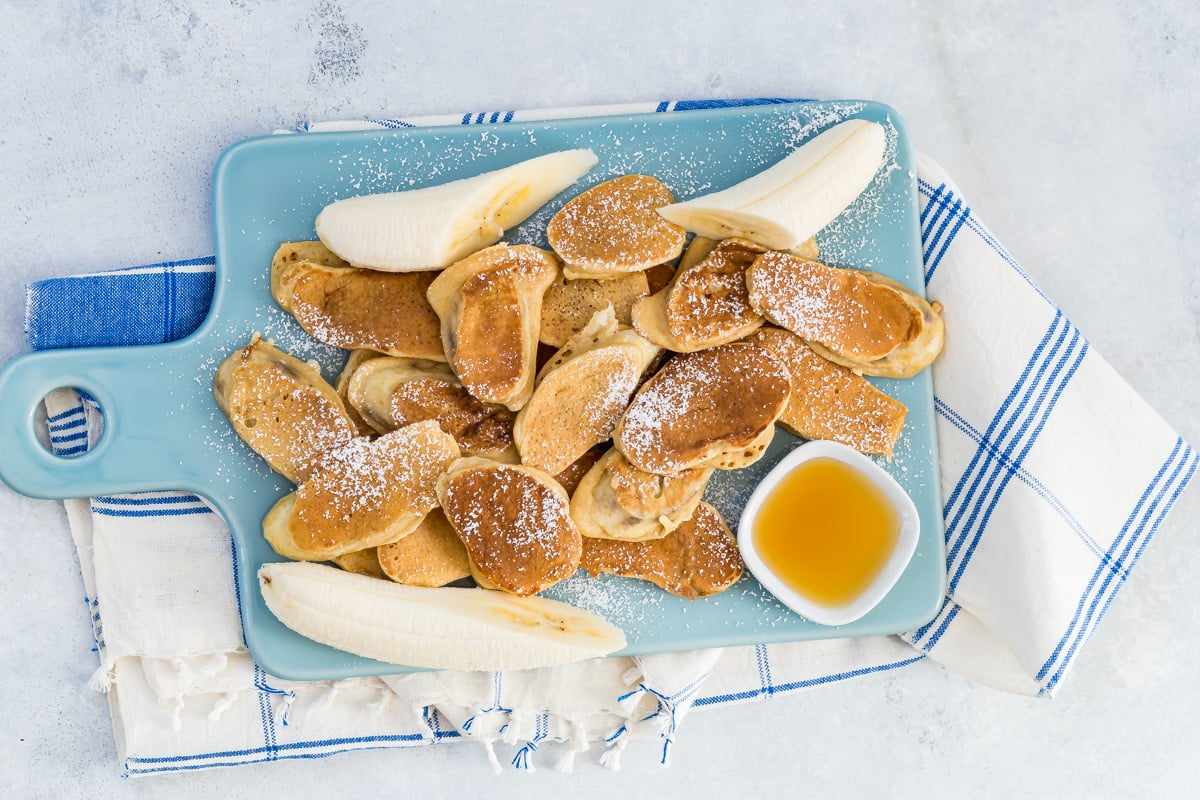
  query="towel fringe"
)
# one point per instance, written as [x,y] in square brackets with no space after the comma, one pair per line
[284,709]
[385,699]
[567,762]
[102,679]
[216,665]
[510,731]
[577,743]
[491,755]
[611,758]
[327,697]
[177,713]
[223,704]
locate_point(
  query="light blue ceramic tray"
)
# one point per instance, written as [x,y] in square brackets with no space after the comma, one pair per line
[163,429]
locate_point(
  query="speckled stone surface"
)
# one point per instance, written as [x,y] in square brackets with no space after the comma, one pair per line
[1070,127]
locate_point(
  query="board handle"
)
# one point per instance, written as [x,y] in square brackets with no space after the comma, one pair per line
[137,450]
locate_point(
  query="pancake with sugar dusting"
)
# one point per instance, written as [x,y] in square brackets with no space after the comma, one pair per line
[367,493]
[614,229]
[282,408]
[616,500]
[515,522]
[432,555]
[913,355]
[857,319]
[490,306]
[697,559]
[715,407]
[706,303]
[581,393]
[390,393]
[830,402]
[344,306]
[568,305]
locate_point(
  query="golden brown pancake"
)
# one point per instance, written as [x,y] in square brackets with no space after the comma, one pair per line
[490,305]
[367,493]
[362,562]
[290,253]
[282,408]
[432,555]
[614,228]
[361,308]
[913,355]
[390,393]
[715,407]
[514,521]
[568,305]
[706,303]
[831,402]
[697,559]
[842,309]
[355,360]
[616,500]
[581,393]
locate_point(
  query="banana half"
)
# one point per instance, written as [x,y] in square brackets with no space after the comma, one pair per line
[442,628]
[432,227]
[786,204]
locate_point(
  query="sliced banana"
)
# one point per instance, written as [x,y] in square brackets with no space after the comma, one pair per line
[443,628]
[786,204]
[432,227]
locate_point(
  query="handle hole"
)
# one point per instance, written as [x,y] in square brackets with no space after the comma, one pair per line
[69,422]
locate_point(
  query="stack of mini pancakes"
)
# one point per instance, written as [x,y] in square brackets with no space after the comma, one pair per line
[523,412]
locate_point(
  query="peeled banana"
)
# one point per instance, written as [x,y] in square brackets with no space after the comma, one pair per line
[786,204]
[432,227]
[434,628]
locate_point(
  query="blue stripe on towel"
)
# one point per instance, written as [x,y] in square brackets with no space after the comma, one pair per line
[1139,527]
[149,305]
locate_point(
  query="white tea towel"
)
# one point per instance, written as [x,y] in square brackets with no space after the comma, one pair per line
[1045,513]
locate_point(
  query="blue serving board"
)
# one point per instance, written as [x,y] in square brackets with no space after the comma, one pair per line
[164,431]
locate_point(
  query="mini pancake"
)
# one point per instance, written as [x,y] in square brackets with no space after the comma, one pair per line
[432,555]
[715,407]
[490,306]
[706,303]
[355,360]
[851,314]
[568,305]
[515,523]
[367,493]
[913,355]
[830,402]
[697,559]
[361,562]
[282,408]
[614,229]
[291,253]
[616,500]
[581,393]
[390,393]
[355,308]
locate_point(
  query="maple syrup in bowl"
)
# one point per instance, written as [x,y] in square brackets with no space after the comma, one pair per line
[828,532]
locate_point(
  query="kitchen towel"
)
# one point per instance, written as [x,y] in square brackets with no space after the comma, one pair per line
[1044,516]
